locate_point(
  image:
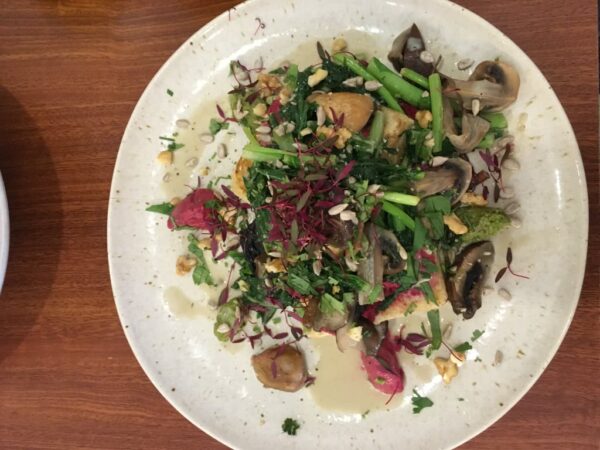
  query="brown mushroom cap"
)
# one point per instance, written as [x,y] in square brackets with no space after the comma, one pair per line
[281,368]
[495,84]
[406,52]
[465,288]
[454,174]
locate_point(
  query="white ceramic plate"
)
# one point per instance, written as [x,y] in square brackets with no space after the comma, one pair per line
[216,389]
[4,232]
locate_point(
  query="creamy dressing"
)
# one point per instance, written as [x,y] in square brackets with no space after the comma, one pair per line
[182,307]
[341,383]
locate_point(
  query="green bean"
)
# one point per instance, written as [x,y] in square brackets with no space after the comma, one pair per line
[487,141]
[376,133]
[354,66]
[402,199]
[397,85]
[496,119]
[397,213]
[435,85]
[415,77]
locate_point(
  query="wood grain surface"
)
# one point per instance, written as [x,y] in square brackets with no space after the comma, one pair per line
[70,74]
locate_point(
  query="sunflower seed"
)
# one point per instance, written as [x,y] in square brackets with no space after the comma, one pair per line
[475,106]
[335,210]
[289,127]
[504,294]
[264,138]
[279,130]
[353,82]
[182,123]
[222,151]
[349,216]
[321,116]
[305,131]
[263,129]
[207,138]
[274,254]
[192,162]
[317,265]
[372,85]
[464,64]
[403,253]
[372,189]
[512,208]
[426,57]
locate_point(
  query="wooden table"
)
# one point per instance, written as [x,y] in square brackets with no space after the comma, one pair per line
[70,74]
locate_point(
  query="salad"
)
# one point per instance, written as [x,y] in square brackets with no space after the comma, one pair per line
[356,202]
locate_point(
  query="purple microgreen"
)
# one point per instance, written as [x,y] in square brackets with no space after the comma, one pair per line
[508,268]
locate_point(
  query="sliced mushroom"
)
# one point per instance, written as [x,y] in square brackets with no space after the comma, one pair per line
[370,268]
[394,254]
[355,108]
[473,129]
[281,367]
[372,335]
[455,174]
[406,52]
[495,84]
[466,286]
[331,321]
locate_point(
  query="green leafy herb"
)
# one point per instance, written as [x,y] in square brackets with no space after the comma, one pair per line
[436,331]
[161,208]
[201,272]
[419,402]
[169,92]
[476,335]
[215,126]
[330,305]
[290,426]
[300,284]
[463,347]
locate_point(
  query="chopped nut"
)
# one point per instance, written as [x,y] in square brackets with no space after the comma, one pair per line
[343,134]
[165,157]
[260,109]
[317,77]
[175,200]
[275,266]
[455,224]
[335,289]
[339,45]
[268,84]
[470,198]
[447,369]
[204,244]
[423,117]
[285,95]
[184,264]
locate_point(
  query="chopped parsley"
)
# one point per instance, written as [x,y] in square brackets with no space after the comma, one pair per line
[169,92]
[463,347]
[476,335]
[419,402]
[201,272]
[161,208]
[290,426]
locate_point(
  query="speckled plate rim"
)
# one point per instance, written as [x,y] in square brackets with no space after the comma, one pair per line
[217,22]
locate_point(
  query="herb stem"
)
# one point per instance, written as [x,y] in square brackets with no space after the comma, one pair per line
[403,199]
[399,214]
[415,77]
[435,85]
[354,66]
[397,85]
